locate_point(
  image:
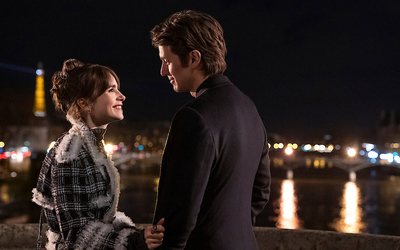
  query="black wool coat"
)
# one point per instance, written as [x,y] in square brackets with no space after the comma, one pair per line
[215,175]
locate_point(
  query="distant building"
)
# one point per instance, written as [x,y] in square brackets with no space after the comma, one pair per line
[388,134]
[19,126]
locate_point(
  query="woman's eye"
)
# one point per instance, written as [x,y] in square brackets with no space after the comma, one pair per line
[111,90]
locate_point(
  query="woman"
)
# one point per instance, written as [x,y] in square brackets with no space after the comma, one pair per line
[78,185]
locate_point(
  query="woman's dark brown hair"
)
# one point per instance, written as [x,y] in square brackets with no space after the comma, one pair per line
[191,30]
[78,80]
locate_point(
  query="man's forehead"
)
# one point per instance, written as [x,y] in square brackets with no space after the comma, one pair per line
[163,51]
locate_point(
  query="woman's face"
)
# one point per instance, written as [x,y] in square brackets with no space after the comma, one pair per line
[107,107]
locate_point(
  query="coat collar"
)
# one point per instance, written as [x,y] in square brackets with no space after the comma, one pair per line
[212,82]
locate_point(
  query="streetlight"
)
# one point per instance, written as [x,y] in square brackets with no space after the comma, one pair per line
[351,152]
[288,151]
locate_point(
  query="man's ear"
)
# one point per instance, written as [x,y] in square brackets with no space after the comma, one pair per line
[194,58]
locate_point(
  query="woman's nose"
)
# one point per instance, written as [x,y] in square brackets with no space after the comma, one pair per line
[121,96]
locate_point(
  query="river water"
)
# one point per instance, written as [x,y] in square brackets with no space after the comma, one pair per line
[371,204]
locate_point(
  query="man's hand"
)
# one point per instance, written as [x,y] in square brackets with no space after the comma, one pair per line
[154,235]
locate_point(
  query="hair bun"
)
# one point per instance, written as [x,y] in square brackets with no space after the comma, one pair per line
[71,64]
[61,90]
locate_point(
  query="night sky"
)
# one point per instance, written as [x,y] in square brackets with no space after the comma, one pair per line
[311,67]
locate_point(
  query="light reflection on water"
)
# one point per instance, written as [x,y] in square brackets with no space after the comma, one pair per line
[351,214]
[366,206]
[4,194]
[287,207]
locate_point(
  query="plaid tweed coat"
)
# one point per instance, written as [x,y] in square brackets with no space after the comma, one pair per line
[79,188]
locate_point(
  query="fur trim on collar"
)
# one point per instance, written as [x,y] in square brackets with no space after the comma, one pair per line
[68,150]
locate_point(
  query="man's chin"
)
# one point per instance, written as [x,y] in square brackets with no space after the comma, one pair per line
[177,90]
[180,90]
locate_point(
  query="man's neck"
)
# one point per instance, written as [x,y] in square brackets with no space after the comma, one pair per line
[198,81]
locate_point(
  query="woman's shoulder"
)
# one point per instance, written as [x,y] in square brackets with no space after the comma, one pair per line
[69,145]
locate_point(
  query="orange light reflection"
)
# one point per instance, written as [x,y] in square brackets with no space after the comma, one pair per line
[351,212]
[288,207]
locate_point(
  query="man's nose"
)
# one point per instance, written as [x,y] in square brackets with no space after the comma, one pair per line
[164,70]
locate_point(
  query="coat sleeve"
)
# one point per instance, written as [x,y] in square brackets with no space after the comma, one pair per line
[262,182]
[74,187]
[185,170]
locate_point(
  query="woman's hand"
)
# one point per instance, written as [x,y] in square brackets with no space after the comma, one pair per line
[154,235]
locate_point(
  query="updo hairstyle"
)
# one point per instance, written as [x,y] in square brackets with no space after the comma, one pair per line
[79,80]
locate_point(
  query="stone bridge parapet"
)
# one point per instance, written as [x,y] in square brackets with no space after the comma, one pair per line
[23,237]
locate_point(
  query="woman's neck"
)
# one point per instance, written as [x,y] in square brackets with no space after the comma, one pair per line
[92,125]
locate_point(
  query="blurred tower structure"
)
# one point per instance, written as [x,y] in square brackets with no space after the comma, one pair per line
[39,107]
[389,128]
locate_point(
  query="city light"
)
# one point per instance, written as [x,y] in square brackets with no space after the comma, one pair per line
[24,149]
[109,148]
[387,157]
[288,151]
[14,155]
[351,152]
[368,146]
[372,155]
[307,147]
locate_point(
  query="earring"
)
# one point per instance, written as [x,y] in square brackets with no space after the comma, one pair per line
[90,110]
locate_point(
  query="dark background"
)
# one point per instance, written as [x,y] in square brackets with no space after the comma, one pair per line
[311,67]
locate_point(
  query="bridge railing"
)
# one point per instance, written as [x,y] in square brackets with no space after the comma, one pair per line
[23,236]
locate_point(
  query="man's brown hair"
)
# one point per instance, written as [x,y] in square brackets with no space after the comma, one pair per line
[190,30]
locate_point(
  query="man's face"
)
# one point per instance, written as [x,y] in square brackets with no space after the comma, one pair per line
[180,77]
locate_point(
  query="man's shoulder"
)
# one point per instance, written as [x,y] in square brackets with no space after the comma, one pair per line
[220,97]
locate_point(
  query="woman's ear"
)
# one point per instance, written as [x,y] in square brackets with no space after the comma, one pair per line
[194,58]
[83,105]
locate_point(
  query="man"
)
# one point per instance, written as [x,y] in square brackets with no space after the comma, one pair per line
[215,175]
